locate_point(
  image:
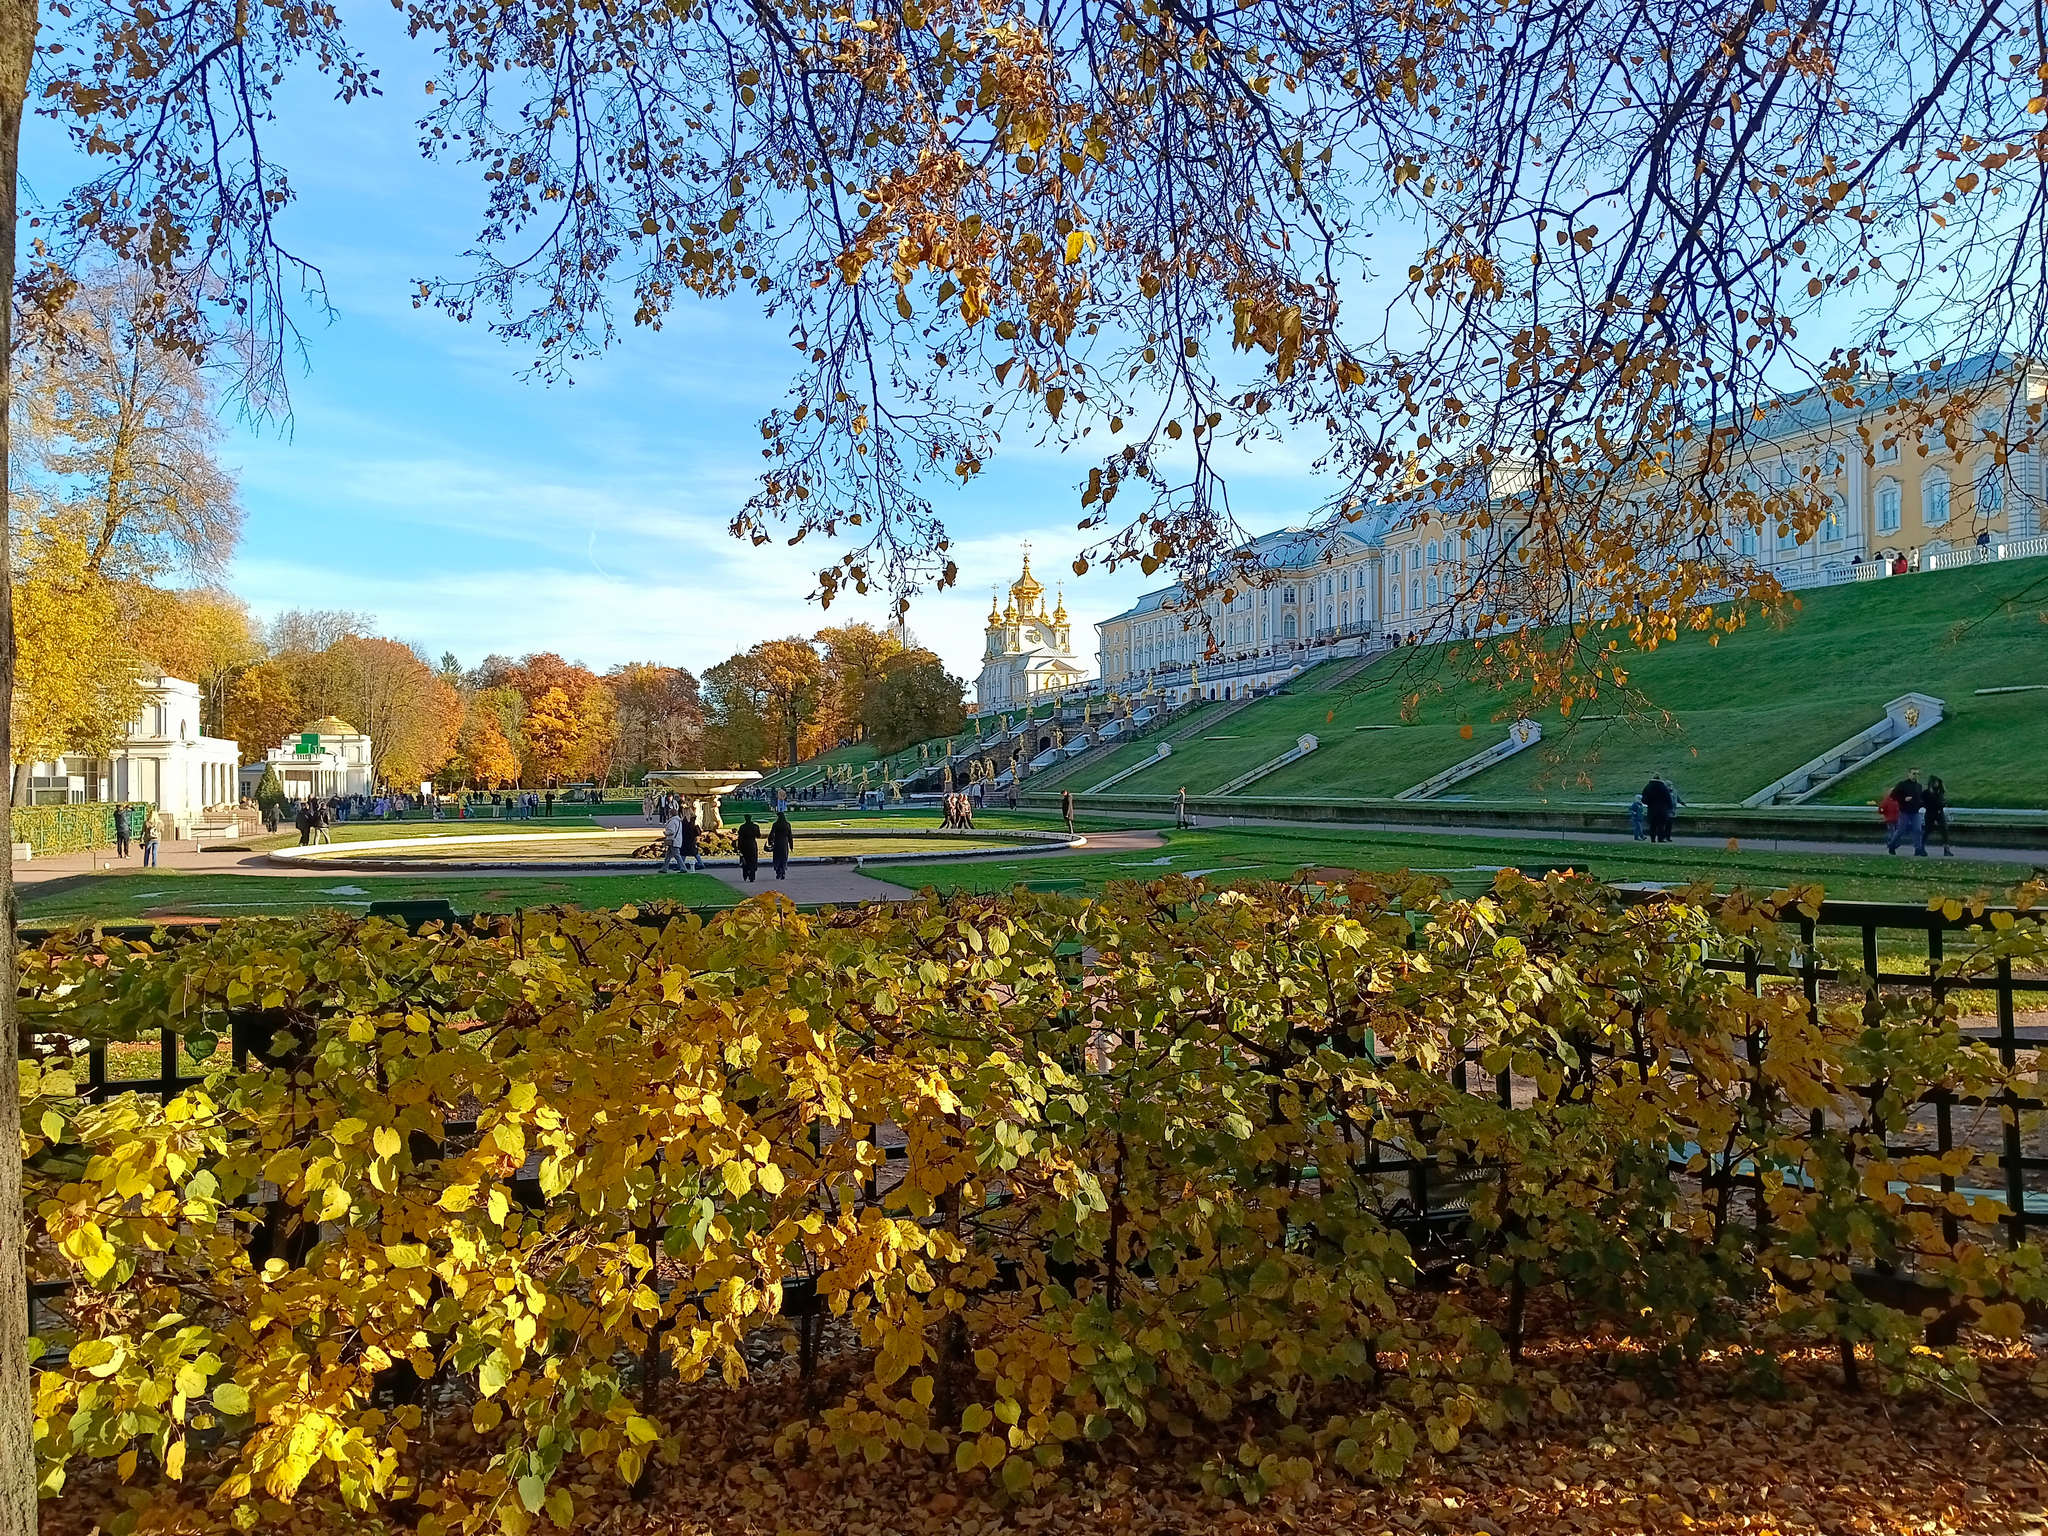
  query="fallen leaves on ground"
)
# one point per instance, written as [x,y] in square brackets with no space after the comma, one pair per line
[1633,1452]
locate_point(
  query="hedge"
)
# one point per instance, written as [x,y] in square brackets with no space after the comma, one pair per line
[53,829]
[457,1215]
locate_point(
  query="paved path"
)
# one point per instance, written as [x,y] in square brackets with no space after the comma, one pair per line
[806,883]
[1873,845]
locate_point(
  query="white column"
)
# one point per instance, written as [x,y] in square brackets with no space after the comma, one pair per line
[1861,513]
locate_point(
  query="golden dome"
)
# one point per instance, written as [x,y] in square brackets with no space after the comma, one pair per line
[994,616]
[1026,590]
[1059,612]
[329,725]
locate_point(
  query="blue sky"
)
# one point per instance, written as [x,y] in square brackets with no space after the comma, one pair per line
[423,481]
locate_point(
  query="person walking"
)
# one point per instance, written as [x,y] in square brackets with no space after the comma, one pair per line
[1180,806]
[1912,804]
[150,834]
[693,843]
[672,842]
[304,822]
[1934,813]
[749,839]
[120,831]
[1067,810]
[1660,806]
[781,838]
[1638,818]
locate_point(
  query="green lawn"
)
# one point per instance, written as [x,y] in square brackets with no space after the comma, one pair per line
[1225,854]
[1765,699]
[138,893]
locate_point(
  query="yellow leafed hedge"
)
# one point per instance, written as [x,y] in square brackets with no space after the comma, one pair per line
[53,829]
[1053,1171]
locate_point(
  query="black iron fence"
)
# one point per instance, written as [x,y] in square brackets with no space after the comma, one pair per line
[1897,949]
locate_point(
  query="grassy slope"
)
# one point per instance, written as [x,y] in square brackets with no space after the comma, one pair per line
[1757,705]
[1469,863]
[1988,751]
[1766,700]
[1348,761]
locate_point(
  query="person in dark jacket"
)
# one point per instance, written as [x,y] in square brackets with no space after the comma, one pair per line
[693,843]
[121,831]
[1660,802]
[749,837]
[304,822]
[1934,814]
[1912,800]
[781,838]
[1067,809]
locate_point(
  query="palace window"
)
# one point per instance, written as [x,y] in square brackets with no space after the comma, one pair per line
[1433,590]
[1934,500]
[1415,592]
[1990,489]
[1836,525]
[1888,451]
[1888,506]
[1432,551]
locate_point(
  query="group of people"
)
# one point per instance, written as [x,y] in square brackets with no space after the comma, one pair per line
[134,825]
[958,811]
[1915,810]
[683,842]
[1653,814]
[781,838]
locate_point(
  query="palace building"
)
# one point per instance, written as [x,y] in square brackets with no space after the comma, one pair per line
[1027,652]
[1894,496]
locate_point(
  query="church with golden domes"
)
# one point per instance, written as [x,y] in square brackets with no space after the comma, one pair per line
[1028,652]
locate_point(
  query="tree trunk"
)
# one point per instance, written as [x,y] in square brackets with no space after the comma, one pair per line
[17,1431]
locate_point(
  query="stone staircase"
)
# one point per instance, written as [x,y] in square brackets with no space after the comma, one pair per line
[1908,716]
[1351,669]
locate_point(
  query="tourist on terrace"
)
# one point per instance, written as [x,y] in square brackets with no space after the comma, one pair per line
[781,838]
[1912,802]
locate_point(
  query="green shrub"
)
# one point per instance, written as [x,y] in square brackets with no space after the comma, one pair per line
[53,829]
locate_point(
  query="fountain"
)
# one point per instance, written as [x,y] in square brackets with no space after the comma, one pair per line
[700,789]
